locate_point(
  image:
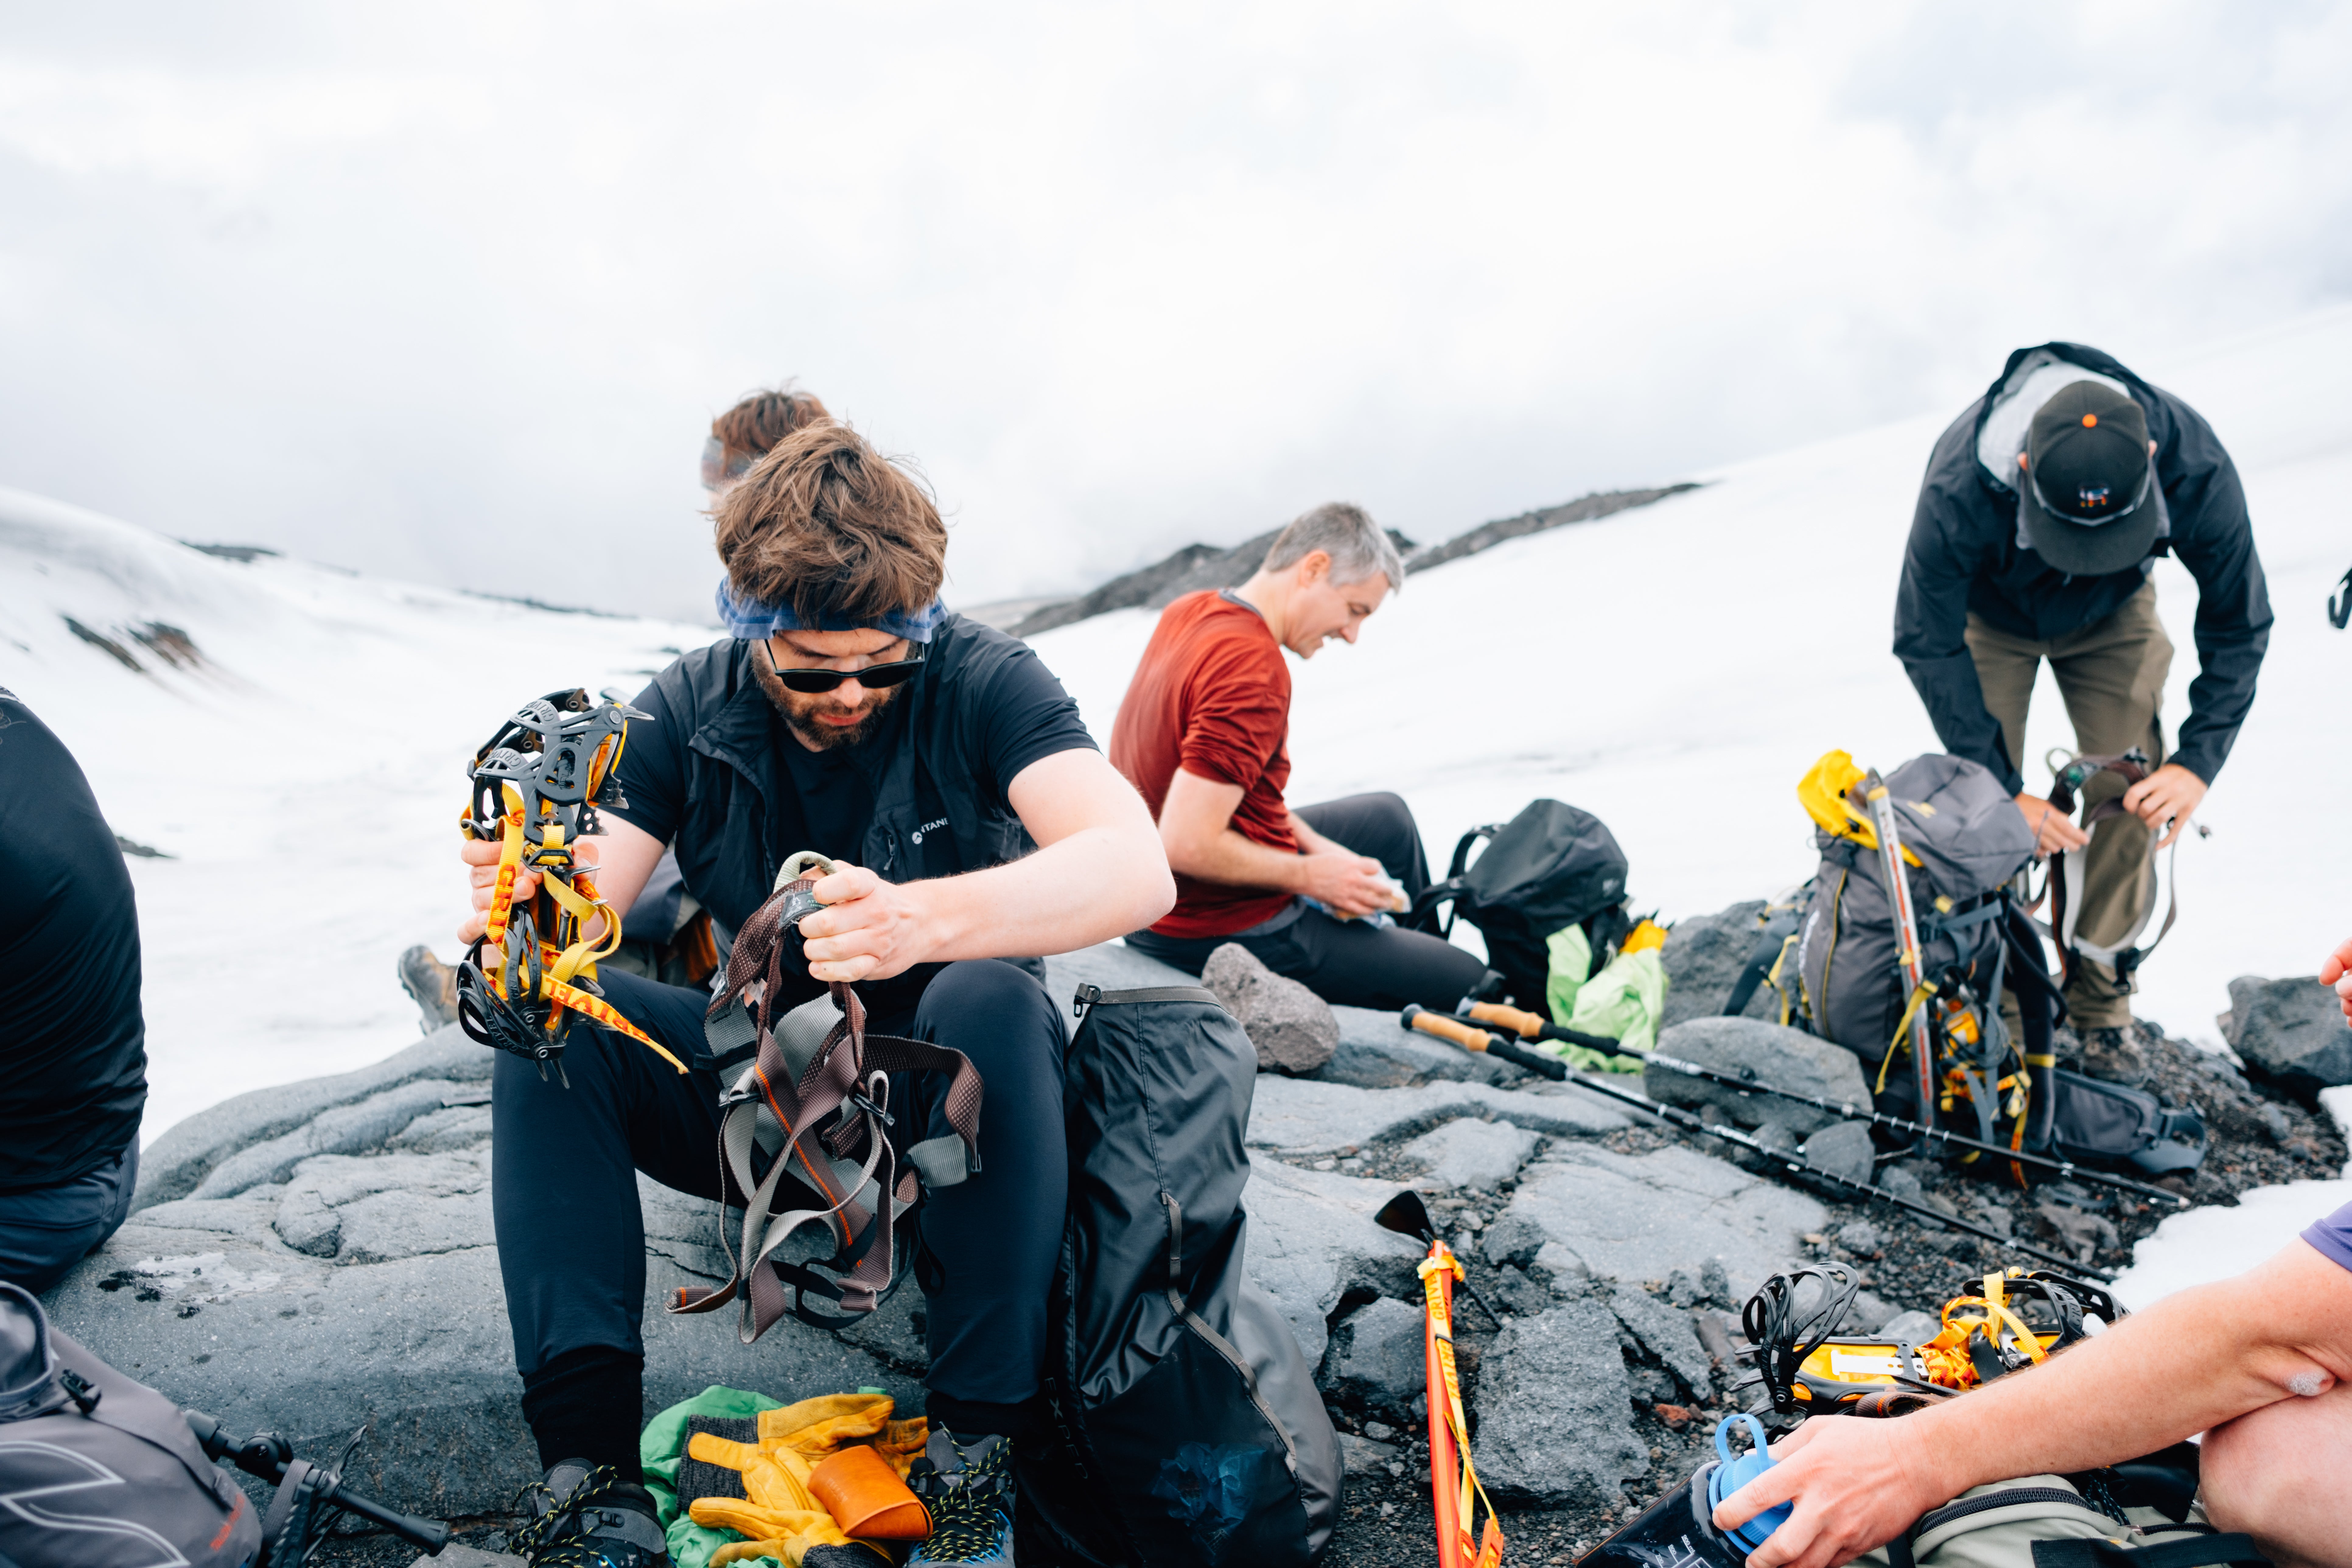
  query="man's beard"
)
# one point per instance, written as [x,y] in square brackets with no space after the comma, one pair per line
[798,710]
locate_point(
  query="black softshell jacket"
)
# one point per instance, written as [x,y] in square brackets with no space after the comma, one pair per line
[1964,555]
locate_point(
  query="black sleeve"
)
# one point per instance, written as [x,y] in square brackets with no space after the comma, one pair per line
[2214,539]
[73,1041]
[653,766]
[1025,716]
[1931,606]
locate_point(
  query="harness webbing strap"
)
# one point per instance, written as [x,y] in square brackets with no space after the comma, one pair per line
[834,1112]
[2195,1552]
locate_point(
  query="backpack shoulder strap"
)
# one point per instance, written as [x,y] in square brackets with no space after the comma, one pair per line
[2190,1552]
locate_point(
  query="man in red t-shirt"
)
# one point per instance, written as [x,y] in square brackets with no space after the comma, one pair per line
[1202,735]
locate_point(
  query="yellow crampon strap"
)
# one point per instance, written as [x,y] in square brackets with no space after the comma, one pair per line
[1927,988]
[1489,1550]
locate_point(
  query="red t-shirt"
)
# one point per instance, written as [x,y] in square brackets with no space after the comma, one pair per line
[1212,697]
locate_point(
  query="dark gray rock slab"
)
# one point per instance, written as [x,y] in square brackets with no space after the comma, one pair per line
[1554,1409]
[1785,1058]
[1468,1152]
[1667,1332]
[1378,1355]
[1375,1051]
[1638,1217]
[176,1162]
[1291,1026]
[1312,1241]
[1364,1457]
[1302,1116]
[1842,1149]
[2291,1032]
[1704,956]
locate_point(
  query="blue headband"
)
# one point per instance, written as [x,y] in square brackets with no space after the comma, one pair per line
[754,620]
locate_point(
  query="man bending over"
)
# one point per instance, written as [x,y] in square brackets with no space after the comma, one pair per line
[1203,734]
[851,714]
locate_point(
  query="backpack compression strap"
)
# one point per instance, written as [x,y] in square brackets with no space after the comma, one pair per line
[2194,1552]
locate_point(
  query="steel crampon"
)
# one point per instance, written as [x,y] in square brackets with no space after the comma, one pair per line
[531,975]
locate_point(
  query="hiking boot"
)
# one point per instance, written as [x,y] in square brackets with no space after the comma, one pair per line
[585,1516]
[2113,1056]
[430,985]
[968,1487]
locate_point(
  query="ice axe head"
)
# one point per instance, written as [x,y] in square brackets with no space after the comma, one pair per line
[1407,1215]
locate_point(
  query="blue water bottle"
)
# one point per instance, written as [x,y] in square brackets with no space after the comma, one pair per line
[1735,1473]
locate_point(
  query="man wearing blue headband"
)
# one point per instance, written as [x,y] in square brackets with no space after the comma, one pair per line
[849,713]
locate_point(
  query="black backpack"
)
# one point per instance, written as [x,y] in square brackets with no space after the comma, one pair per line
[2114,1127]
[1189,1429]
[1550,868]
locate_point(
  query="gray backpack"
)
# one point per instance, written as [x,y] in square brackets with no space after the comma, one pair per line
[1970,840]
[97,1471]
[2046,1521]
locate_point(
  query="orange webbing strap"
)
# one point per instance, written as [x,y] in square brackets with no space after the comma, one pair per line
[599,1009]
[1456,1498]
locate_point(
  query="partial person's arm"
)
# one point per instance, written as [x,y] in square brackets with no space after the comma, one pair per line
[2214,538]
[1196,828]
[2336,971]
[2184,1365]
[1097,873]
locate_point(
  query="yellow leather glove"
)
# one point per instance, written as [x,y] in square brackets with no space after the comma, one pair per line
[778,1514]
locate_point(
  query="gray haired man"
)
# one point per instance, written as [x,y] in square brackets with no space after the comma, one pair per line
[1203,734]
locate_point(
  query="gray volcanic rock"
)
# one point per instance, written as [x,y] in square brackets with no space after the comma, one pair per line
[1376,1052]
[1785,1058]
[1291,1026]
[1467,1152]
[1312,1240]
[1554,1409]
[2290,1031]
[1638,1217]
[1301,1116]
[1702,956]
[1665,1333]
[1842,1149]
[1377,1352]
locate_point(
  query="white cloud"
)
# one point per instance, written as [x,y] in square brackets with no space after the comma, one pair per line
[450,293]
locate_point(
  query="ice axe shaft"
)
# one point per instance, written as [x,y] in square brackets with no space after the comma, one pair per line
[1532,1026]
[1796,1170]
[1472,1039]
[1905,1125]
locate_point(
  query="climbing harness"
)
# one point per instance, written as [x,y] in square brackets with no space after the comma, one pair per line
[1995,1324]
[2073,776]
[531,975]
[802,1132]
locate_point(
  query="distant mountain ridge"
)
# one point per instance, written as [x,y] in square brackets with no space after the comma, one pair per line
[1198,567]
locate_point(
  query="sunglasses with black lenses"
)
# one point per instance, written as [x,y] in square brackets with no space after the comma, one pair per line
[874,676]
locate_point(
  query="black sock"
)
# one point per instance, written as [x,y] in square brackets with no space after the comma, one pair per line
[588,1404]
[970,1418]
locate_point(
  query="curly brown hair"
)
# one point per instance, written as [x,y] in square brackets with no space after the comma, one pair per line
[760,419]
[826,523]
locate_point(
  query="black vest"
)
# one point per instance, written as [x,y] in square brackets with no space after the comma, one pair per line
[936,811]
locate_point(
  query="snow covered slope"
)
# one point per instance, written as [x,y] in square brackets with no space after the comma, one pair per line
[295,739]
[1677,670]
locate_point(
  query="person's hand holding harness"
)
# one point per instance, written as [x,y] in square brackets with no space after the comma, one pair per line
[2054,832]
[2168,796]
[868,930]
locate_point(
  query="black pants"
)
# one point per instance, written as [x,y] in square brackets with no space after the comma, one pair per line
[1352,962]
[571,1244]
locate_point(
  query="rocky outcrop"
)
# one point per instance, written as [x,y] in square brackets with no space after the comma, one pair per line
[1469,1153]
[1785,1058]
[1291,1026]
[1552,1404]
[1702,957]
[2291,1032]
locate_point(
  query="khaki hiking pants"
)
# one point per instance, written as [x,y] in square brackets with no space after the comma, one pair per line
[2111,674]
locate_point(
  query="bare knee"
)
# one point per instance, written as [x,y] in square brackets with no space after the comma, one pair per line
[2276,1474]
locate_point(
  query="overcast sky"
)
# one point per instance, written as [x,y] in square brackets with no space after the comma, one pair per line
[450,293]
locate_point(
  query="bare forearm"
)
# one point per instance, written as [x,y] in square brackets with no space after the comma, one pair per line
[1238,862]
[1034,905]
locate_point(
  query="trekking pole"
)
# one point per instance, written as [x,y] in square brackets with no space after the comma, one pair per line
[1420,1018]
[1906,927]
[1454,1488]
[1902,1125]
[1531,1026]
[1676,1116]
